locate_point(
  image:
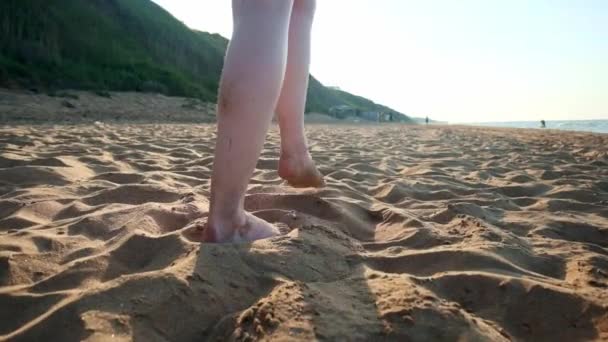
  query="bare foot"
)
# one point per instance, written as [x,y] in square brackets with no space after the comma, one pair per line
[243,229]
[300,171]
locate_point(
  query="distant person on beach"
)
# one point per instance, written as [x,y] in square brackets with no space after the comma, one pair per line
[543,124]
[427,120]
[266,70]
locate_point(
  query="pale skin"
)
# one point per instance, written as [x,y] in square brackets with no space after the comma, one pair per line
[265,71]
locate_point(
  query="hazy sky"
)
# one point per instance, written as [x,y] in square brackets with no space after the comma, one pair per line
[459,61]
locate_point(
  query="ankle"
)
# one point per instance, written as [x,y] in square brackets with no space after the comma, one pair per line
[295,152]
[294,165]
[294,147]
[222,225]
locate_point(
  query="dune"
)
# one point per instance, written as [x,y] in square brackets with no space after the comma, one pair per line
[422,233]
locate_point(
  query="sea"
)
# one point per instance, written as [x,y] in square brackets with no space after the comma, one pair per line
[597,126]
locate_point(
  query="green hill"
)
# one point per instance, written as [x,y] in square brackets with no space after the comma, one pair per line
[121,45]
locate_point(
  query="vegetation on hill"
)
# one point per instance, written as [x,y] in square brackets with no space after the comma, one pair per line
[106,44]
[321,99]
[120,45]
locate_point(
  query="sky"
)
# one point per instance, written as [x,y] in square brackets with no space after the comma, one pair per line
[456,61]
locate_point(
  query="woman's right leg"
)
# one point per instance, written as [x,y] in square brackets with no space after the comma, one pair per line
[250,86]
[296,166]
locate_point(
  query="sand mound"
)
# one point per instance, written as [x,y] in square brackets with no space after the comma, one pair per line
[441,233]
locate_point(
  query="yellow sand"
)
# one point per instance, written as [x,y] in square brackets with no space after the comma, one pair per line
[440,233]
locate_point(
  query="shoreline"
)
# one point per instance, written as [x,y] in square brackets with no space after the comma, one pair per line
[68,107]
[512,124]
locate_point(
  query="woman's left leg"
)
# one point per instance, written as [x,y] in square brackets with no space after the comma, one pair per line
[250,87]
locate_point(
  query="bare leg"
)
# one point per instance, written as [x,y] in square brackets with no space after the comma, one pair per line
[250,87]
[296,165]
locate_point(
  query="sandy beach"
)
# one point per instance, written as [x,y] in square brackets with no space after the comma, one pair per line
[422,233]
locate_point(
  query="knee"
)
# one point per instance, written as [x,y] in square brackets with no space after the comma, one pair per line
[267,7]
[276,6]
[305,7]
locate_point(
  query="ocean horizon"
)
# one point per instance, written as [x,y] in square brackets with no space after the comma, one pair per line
[596,126]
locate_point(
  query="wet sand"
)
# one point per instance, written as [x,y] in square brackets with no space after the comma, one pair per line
[422,233]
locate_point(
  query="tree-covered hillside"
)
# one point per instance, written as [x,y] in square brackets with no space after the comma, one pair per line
[121,45]
[105,44]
